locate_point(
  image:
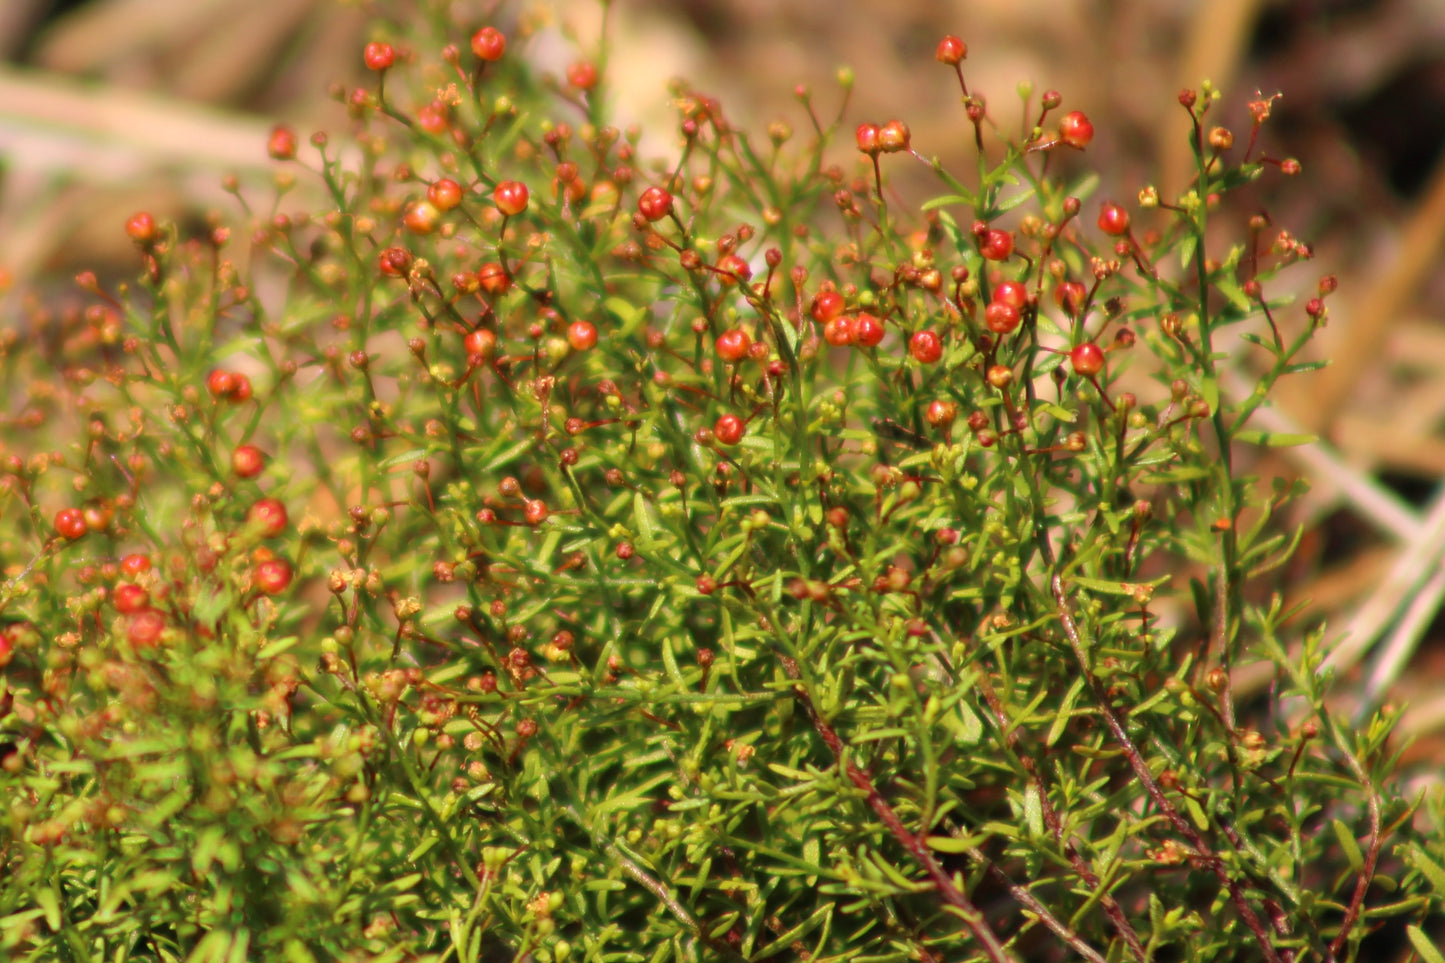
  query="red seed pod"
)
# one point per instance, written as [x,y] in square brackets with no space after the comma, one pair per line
[1113,219]
[868,330]
[840,332]
[894,136]
[142,228]
[654,204]
[581,335]
[70,524]
[268,514]
[129,598]
[1011,292]
[394,262]
[379,56]
[951,50]
[733,344]
[445,194]
[247,461]
[1087,359]
[582,74]
[144,628]
[281,145]
[510,197]
[489,43]
[1001,317]
[925,347]
[273,576]
[996,245]
[1075,129]
[729,429]
[867,137]
[826,306]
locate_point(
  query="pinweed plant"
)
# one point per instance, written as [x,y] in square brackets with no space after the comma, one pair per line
[527,549]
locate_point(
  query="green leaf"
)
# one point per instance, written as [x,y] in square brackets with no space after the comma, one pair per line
[296,952]
[1348,844]
[947,200]
[952,844]
[1274,439]
[50,904]
[1428,868]
[1423,945]
[1065,711]
[277,647]
[1015,201]
[1187,247]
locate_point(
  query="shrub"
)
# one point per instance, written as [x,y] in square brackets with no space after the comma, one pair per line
[543,552]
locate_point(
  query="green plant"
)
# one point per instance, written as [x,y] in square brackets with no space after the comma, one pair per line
[702,559]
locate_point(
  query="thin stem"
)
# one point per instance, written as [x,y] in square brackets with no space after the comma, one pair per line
[917,848]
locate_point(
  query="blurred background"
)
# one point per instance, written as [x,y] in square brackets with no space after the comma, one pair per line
[110,106]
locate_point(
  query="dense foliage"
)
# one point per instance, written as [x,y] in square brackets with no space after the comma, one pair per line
[534,550]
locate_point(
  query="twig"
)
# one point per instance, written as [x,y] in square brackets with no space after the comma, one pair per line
[1181,825]
[1111,906]
[1372,857]
[916,847]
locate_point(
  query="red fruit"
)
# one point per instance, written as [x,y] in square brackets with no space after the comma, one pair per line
[867,136]
[480,342]
[7,649]
[868,330]
[951,50]
[134,564]
[143,629]
[729,429]
[1087,359]
[925,347]
[269,514]
[445,194]
[581,335]
[70,524]
[129,598]
[654,204]
[1070,295]
[272,576]
[1075,129]
[827,305]
[421,217]
[242,391]
[894,136]
[734,268]
[840,332]
[394,262]
[489,43]
[493,279]
[1012,293]
[940,414]
[733,344]
[282,143]
[221,383]
[379,56]
[1113,219]
[996,245]
[247,461]
[510,197]
[97,516]
[434,118]
[582,74]
[142,228]
[535,511]
[1001,317]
